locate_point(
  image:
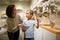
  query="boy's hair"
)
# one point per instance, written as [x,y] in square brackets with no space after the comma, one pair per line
[31,12]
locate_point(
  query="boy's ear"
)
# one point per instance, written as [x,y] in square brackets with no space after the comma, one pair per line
[31,15]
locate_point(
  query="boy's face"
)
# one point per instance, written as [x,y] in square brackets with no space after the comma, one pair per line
[28,15]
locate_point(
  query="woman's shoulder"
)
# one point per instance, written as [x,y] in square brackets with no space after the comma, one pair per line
[8,19]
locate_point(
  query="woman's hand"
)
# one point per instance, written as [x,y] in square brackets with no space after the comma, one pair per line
[19,25]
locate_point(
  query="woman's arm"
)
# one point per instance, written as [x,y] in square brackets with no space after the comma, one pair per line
[20,20]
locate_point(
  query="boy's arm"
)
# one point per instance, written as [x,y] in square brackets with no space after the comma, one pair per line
[37,23]
[25,27]
[23,30]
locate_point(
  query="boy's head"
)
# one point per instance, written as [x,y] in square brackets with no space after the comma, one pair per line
[29,14]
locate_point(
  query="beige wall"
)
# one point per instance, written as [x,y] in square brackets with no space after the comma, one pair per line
[19,5]
[34,3]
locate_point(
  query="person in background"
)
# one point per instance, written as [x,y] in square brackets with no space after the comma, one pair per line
[13,22]
[29,22]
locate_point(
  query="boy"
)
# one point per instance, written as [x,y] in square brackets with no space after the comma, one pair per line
[29,33]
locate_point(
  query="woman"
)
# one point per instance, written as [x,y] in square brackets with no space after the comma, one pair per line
[13,22]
